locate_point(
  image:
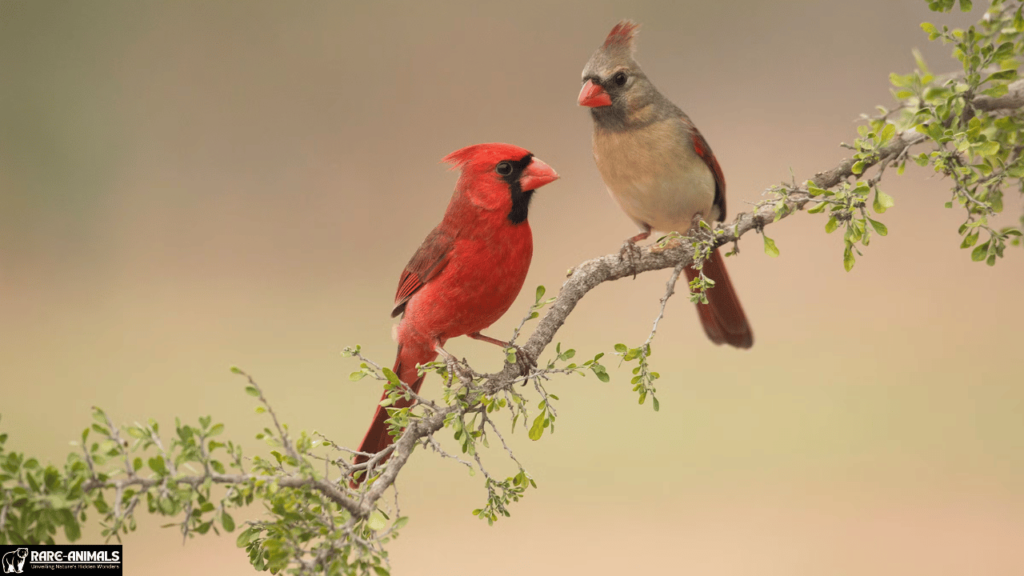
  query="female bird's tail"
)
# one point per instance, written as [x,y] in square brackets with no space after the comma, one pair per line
[722,317]
[409,356]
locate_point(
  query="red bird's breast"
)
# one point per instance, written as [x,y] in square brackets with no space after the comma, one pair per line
[478,285]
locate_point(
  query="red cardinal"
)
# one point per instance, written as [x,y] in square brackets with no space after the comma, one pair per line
[659,168]
[470,268]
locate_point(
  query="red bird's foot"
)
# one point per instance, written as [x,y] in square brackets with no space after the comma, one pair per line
[524,361]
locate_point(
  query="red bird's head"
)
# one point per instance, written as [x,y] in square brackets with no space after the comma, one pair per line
[500,177]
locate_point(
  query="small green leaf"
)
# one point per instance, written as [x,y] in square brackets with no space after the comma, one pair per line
[376,521]
[858,167]
[882,201]
[769,246]
[980,253]
[244,537]
[987,148]
[879,227]
[228,522]
[848,259]
[537,430]
[251,391]
[540,293]
[831,225]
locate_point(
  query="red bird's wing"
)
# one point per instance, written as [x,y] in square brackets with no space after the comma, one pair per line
[427,262]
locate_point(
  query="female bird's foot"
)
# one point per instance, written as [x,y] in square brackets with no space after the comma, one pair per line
[631,252]
[630,248]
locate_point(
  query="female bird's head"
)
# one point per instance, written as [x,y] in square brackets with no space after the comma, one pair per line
[500,177]
[614,87]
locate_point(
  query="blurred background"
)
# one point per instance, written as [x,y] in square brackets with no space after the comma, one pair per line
[190,185]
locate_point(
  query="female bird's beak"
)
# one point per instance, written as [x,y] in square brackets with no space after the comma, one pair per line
[537,174]
[593,96]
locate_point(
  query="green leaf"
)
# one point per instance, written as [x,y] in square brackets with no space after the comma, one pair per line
[246,536]
[887,133]
[882,201]
[72,530]
[252,391]
[156,464]
[769,246]
[228,522]
[987,148]
[621,348]
[540,293]
[819,208]
[858,167]
[970,240]
[965,5]
[879,227]
[831,225]
[848,259]
[537,430]
[376,521]
[980,253]
[929,28]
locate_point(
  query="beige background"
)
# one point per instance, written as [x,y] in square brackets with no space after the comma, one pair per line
[186,186]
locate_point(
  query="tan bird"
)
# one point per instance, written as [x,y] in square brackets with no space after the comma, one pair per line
[659,168]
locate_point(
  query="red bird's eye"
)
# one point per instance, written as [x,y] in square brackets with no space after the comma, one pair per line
[620,78]
[504,168]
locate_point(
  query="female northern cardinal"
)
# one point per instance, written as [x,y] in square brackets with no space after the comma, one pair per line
[470,268]
[659,168]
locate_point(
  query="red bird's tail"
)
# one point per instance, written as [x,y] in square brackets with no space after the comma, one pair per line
[377,438]
[722,317]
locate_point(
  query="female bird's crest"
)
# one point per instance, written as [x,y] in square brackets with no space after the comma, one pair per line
[622,36]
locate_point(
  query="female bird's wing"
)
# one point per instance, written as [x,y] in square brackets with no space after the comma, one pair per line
[703,150]
[426,263]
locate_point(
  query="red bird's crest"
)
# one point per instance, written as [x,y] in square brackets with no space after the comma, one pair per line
[484,154]
[622,35]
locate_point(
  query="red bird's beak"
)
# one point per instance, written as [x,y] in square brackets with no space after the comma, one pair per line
[537,174]
[593,96]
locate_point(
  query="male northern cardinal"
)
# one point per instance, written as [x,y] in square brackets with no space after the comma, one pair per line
[470,268]
[659,168]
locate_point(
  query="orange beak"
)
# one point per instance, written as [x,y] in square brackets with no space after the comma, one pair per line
[593,96]
[537,174]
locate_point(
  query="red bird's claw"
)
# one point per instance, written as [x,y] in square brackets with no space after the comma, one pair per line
[524,361]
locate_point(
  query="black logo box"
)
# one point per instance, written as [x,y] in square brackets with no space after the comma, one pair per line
[62,558]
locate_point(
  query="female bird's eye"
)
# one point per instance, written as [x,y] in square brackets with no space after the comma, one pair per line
[504,168]
[620,78]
